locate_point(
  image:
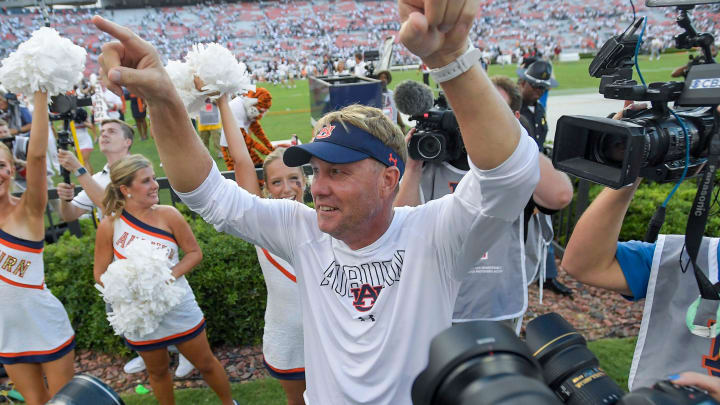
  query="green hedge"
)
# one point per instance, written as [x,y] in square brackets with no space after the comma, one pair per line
[649,196]
[228,285]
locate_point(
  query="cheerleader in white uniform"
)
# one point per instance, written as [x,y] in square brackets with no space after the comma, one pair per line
[132,213]
[283,348]
[36,339]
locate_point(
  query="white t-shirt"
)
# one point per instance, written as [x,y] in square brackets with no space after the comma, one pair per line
[369,314]
[82,200]
[238,109]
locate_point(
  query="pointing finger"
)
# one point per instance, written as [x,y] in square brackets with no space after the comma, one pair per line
[121,33]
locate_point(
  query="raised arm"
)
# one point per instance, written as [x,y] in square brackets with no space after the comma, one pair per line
[437,32]
[35,197]
[134,63]
[244,169]
[590,254]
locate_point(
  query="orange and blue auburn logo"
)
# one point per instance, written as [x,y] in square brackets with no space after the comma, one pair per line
[325,132]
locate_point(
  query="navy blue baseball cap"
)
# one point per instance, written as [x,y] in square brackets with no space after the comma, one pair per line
[338,143]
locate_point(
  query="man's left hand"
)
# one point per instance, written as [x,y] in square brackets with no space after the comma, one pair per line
[436,30]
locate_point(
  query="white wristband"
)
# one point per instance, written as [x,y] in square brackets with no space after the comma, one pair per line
[457,67]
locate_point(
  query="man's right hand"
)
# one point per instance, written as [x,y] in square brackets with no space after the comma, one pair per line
[436,30]
[66,192]
[68,160]
[133,63]
[412,165]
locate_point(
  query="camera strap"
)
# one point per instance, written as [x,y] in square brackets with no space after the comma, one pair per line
[697,219]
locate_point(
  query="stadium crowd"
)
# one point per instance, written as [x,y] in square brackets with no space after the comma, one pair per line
[280,39]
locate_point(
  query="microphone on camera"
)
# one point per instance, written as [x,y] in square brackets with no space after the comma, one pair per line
[413,98]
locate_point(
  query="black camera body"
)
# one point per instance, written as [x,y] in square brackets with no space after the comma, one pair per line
[67,108]
[484,362]
[437,135]
[667,393]
[648,143]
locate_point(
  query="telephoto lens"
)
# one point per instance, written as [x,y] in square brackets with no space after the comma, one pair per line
[480,363]
[570,368]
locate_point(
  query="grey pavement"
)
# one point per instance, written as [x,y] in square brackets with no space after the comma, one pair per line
[579,102]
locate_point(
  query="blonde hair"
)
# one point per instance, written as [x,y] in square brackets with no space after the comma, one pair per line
[277,154]
[9,153]
[370,120]
[122,173]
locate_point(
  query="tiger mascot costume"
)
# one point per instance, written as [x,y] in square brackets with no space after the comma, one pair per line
[256,103]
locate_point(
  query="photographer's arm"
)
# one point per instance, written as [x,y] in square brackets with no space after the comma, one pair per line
[590,253]
[409,193]
[554,191]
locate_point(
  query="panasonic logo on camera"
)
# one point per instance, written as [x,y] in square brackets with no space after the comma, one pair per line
[710,83]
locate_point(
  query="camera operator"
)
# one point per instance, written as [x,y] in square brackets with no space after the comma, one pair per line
[654,271]
[18,117]
[116,138]
[496,288]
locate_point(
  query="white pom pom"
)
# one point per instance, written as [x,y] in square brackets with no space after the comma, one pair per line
[182,77]
[216,66]
[44,62]
[140,289]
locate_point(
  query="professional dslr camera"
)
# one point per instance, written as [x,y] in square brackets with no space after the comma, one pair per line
[484,363]
[437,134]
[67,108]
[649,143]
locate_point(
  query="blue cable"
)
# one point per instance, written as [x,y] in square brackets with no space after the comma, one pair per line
[637,51]
[680,121]
[687,158]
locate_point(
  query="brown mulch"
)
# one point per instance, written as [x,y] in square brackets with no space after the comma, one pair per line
[593,312]
[241,364]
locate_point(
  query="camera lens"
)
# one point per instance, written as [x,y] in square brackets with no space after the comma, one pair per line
[429,146]
[611,149]
[480,363]
[570,368]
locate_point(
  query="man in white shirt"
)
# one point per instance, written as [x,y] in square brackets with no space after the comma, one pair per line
[376,283]
[116,138]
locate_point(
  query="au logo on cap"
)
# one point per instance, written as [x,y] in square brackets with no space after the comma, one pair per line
[392,160]
[325,132]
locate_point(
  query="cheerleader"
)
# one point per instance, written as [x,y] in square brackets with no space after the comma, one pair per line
[36,339]
[131,213]
[283,348]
